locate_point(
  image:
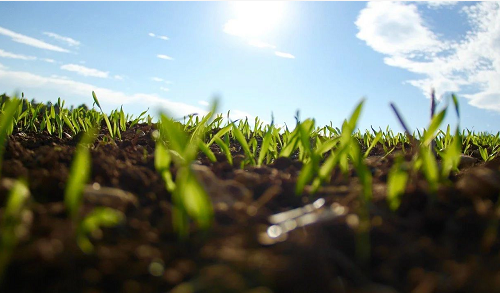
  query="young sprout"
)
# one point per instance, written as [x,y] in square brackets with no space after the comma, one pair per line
[79,175]
[108,124]
[7,123]
[97,218]
[11,221]
[396,183]
[244,144]
[188,196]
[73,196]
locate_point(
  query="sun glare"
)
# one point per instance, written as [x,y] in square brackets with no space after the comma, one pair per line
[254,19]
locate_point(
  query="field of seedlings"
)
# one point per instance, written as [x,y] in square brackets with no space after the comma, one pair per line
[106,202]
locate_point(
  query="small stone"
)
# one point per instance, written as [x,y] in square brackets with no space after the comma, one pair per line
[97,195]
[282,163]
[467,161]
[480,182]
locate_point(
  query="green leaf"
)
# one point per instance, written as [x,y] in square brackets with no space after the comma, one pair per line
[451,156]
[96,101]
[97,218]
[396,184]
[205,149]
[434,125]
[455,102]
[266,143]
[173,133]
[162,157]
[305,176]
[430,168]
[11,219]
[78,176]
[220,133]
[7,124]
[243,142]
[225,149]
[373,144]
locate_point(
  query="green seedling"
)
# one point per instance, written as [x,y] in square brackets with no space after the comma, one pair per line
[106,119]
[240,137]
[11,225]
[73,196]
[79,175]
[7,123]
[266,143]
[396,183]
[97,218]
[189,198]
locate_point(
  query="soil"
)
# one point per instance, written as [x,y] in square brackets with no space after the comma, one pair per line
[444,242]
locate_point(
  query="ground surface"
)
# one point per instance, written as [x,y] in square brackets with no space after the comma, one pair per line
[427,245]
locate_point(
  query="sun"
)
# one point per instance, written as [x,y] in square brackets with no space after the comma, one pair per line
[254,18]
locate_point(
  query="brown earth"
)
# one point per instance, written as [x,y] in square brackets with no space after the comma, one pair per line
[442,243]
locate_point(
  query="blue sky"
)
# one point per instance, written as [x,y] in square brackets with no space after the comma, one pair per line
[260,57]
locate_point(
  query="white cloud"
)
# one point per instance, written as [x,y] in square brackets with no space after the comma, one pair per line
[85,71]
[260,44]
[203,103]
[67,40]
[238,114]
[161,56]
[440,4]
[119,77]
[108,98]
[473,62]
[284,55]
[165,38]
[157,79]
[6,54]
[164,89]
[3,66]
[395,28]
[49,60]
[30,41]
[59,76]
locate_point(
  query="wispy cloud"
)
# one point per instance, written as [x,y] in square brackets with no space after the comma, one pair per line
[260,44]
[161,56]
[5,54]
[109,99]
[3,66]
[165,38]
[10,55]
[164,89]
[118,77]
[66,40]
[85,71]
[439,4]
[284,55]
[159,79]
[16,37]
[59,76]
[203,103]
[398,30]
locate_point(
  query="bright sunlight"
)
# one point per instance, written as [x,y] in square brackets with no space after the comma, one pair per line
[254,19]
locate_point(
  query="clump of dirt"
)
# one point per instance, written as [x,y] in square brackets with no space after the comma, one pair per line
[443,242]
